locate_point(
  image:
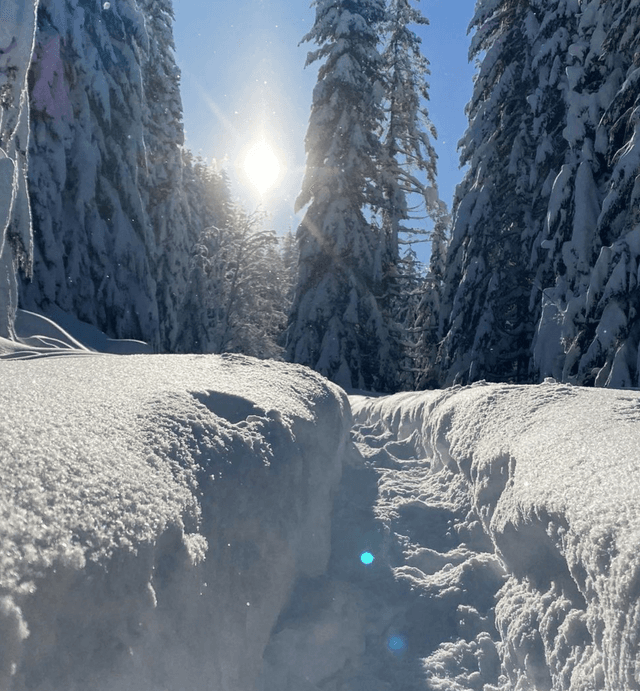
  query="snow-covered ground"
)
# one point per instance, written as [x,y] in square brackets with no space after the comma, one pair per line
[512,514]
[198,522]
[155,514]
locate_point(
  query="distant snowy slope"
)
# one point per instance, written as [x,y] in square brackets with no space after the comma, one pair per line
[530,495]
[155,513]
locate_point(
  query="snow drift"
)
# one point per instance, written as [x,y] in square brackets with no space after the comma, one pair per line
[156,512]
[513,510]
[188,522]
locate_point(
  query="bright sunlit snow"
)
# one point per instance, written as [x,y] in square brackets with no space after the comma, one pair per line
[189,522]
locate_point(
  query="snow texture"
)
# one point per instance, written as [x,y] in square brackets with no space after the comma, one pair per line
[183,522]
[513,512]
[156,514]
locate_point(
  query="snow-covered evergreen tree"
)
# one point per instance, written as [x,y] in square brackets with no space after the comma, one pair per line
[336,325]
[174,222]
[489,328]
[17,29]
[557,158]
[113,225]
[608,335]
[93,240]
[575,342]
[427,326]
[408,173]
[290,258]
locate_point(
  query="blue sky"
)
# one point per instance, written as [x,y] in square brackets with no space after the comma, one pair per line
[243,75]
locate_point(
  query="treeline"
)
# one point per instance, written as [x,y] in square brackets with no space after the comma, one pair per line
[541,276]
[534,274]
[131,233]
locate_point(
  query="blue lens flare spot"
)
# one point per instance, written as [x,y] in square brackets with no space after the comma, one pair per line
[367,558]
[396,643]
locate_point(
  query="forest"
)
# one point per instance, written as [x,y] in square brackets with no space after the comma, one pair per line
[106,215]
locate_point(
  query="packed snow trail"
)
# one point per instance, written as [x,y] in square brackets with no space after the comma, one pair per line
[523,520]
[433,578]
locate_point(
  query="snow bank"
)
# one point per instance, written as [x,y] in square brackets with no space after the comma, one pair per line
[37,335]
[156,512]
[513,512]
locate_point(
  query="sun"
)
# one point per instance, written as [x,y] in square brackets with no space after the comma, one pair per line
[262,166]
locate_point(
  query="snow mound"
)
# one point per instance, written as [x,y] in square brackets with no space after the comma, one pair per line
[157,512]
[511,513]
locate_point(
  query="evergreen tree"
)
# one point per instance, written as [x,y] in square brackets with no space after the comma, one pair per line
[336,325]
[576,229]
[113,224]
[427,327]
[609,333]
[16,48]
[173,223]
[488,329]
[408,175]
[94,244]
[209,201]
[569,241]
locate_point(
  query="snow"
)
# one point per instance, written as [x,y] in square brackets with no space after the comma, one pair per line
[188,522]
[157,512]
[538,489]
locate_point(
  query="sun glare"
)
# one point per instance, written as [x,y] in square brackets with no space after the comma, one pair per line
[262,166]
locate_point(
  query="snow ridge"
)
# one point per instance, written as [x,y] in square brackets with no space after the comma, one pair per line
[156,513]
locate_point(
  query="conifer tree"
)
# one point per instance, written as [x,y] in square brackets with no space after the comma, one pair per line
[94,245]
[575,230]
[608,336]
[488,326]
[427,327]
[408,175]
[337,326]
[172,221]
[113,225]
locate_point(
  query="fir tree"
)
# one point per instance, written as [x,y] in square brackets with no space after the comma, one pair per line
[336,325]
[488,326]
[575,232]
[609,334]
[408,174]
[427,327]
[173,224]
[112,215]
[94,244]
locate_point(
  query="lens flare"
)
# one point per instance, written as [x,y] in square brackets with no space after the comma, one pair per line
[396,644]
[367,558]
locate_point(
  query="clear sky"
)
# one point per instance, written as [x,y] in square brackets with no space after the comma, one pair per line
[244,76]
